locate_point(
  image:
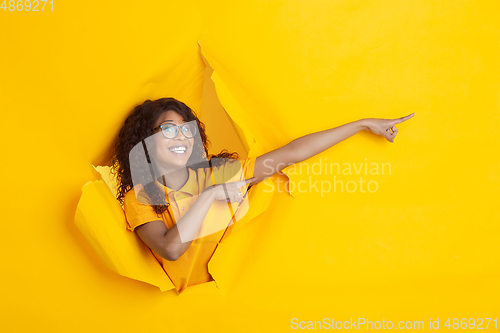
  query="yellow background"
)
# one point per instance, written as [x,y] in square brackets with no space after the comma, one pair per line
[424,245]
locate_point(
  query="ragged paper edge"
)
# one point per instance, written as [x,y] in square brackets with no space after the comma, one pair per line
[101,220]
[234,111]
[259,199]
[108,178]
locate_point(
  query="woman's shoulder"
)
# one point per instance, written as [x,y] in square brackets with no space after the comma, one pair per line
[226,161]
[233,169]
[136,195]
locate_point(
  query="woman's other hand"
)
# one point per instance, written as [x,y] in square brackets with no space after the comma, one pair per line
[385,127]
[229,192]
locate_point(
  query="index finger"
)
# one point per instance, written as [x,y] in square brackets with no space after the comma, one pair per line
[405,118]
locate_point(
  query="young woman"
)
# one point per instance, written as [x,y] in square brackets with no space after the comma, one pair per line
[168,208]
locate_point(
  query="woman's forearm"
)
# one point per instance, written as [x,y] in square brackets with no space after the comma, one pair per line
[312,144]
[188,225]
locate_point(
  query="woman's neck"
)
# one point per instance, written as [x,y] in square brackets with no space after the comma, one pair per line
[175,179]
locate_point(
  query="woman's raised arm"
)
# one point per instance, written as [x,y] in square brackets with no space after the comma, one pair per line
[312,144]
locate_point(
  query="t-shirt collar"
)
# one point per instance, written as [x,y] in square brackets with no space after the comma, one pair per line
[189,187]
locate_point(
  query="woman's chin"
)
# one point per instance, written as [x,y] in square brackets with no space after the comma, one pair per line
[178,161]
[179,164]
[174,161]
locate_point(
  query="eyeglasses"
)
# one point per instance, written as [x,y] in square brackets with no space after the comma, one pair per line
[170,130]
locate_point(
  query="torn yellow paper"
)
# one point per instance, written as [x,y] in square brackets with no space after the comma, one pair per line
[102,221]
[107,177]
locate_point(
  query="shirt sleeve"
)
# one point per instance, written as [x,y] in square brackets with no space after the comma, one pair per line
[138,213]
[234,170]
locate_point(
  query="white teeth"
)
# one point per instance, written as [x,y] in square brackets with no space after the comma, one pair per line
[178,149]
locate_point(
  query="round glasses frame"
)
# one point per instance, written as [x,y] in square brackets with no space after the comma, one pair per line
[190,127]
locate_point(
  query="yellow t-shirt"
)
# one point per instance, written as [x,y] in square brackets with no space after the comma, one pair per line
[191,268]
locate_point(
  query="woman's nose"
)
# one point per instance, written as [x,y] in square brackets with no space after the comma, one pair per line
[180,136]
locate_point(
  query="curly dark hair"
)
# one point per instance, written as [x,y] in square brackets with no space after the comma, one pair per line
[137,127]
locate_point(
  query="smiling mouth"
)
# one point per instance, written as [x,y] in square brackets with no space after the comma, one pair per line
[178,150]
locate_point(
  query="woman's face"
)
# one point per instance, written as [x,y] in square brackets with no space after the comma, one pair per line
[172,153]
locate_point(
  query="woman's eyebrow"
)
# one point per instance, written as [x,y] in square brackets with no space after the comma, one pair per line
[169,120]
[166,121]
